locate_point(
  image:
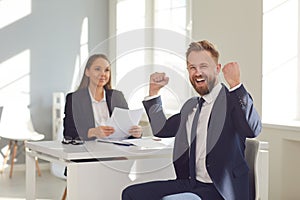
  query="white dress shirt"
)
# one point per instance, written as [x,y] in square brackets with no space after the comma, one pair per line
[100,110]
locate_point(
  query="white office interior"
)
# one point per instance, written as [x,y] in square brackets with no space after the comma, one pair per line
[44,44]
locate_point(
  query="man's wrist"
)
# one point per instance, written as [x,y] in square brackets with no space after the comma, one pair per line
[147,98]
[153,92]
[235,87]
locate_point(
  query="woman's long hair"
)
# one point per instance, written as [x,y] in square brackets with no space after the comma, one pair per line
[86,80]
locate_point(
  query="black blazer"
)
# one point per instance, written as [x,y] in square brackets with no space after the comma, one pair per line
[79,117]
[232,119]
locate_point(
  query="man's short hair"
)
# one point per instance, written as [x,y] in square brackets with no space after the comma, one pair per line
[203,45]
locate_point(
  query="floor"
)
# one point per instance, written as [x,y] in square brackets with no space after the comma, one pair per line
[48,186]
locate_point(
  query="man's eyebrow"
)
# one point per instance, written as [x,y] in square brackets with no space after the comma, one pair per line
[202,63]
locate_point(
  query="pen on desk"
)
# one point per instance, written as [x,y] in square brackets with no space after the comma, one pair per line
[122,144]
[156,139]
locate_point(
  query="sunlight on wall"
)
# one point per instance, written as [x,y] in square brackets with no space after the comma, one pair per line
[84,39]
[13,10]
[84,53]
[14,79]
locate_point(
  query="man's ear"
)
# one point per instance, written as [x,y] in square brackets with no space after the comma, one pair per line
[219,66]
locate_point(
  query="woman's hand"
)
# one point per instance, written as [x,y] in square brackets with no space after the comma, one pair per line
[100,131]
[136,131]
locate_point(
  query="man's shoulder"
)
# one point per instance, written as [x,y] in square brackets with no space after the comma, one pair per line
[191,101]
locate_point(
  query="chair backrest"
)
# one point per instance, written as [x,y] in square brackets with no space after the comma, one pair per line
[256,155]
[1,109]
[16,124]
[251,154]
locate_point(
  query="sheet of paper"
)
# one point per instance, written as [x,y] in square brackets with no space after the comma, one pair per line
[122,120]
[152,142]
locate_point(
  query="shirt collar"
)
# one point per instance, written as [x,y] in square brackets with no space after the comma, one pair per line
[210,97]
[94,100]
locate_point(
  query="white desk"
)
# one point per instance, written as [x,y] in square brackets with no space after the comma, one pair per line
[116,167]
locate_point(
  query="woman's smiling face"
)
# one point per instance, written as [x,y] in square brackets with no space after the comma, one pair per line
[98,72]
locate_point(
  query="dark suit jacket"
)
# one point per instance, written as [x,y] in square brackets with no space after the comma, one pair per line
[79,117]
[232,120]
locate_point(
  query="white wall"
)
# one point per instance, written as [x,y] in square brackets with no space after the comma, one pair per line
[52,34]
[235,27]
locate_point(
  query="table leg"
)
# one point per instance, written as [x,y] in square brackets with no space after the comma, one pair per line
[30,176]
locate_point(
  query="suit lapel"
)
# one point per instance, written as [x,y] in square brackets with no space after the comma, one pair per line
[181,140]
[82,108]
[217,120]
[108,94]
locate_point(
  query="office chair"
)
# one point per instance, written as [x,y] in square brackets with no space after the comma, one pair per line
[17,127]
[256,155]
[1,109]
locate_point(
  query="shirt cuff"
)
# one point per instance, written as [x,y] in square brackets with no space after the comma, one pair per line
[234,88]
[147,98]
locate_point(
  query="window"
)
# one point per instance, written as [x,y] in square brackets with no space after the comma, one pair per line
[140,50]
[281,70]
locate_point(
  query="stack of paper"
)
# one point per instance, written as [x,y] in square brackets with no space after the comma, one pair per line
[152,142]
[122,120]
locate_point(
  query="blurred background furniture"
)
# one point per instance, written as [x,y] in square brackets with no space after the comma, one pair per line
[16,127]
[58,104]
[1,109]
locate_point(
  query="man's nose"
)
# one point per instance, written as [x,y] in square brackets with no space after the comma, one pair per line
[199,70]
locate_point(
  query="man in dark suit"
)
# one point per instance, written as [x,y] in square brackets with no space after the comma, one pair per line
[210,132]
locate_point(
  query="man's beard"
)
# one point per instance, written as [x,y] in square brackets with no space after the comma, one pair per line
[206,89]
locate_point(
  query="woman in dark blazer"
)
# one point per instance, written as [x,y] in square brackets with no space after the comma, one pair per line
[88,108]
